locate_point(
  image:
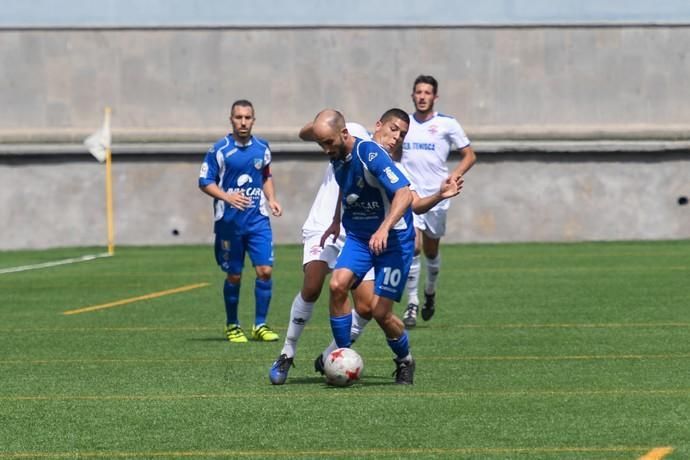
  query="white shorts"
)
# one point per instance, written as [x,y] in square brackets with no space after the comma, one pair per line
[313,250]
[328,253]
[432,223]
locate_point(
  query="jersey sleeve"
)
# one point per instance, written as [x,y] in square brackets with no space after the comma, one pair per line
[267,163]
[209,173]
[458,138]
[380,165]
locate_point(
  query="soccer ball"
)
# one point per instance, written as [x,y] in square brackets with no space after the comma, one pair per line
[343,367]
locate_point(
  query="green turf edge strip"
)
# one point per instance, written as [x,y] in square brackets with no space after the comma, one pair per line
[313,328]
[326,453]
[627,357]
[330,392]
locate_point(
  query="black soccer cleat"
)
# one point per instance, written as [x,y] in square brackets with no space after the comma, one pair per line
[429,307]
[318,365]
[404,371]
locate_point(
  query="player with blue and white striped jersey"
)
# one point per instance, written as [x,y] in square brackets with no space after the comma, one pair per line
[317,262]
[236,173]
[427,145]
[375,202]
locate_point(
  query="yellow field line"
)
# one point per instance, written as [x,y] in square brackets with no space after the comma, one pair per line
[657,453]
[326,393]
[324,453]
[153,295]
[34,362]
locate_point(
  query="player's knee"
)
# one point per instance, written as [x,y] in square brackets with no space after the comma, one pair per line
[338,287]
[264,272]
[310,293]
[234,278]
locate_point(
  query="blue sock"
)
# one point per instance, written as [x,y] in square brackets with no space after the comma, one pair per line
[341,325]
[400,346]
[231,294]
[262,293]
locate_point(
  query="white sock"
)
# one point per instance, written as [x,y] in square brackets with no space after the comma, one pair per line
[300,314]
[433,267]
[331,346]
[413,281]
[358,325]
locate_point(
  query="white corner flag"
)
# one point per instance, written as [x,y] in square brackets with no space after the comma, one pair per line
[99,142]
[99,145]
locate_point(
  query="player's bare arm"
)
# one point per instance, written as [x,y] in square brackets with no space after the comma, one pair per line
[449,188]
[307,132]
[269,191]
[334,228]
[235,199]
[469,158]
[402,199]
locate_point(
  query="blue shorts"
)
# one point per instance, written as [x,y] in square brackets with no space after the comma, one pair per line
[391,267]
[230,248]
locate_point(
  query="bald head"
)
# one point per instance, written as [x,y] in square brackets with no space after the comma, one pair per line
[331,134]
[329,119]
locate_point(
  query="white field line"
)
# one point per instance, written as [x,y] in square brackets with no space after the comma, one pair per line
[55,263]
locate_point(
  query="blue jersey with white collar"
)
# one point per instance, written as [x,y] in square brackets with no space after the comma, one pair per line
[237,167]
[368,179]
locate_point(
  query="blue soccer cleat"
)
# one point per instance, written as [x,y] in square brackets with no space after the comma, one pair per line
[279,370]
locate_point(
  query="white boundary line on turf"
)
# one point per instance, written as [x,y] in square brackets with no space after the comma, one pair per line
[73,260]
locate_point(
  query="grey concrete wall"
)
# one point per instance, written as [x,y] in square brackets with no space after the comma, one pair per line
[508,86]
[544,197]
[172,85]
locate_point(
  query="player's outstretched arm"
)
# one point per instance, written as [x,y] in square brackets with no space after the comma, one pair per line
[449,188]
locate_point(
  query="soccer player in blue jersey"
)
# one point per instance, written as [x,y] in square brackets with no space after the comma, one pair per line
[236,174]
[375,199]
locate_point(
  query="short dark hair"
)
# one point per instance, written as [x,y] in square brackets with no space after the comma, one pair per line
[395,113]
[428,79]
[241,103]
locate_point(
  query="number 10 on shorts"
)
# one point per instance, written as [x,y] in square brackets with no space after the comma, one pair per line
[391,276]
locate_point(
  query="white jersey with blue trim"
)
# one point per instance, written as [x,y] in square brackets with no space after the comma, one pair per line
[426,149]
[322,210]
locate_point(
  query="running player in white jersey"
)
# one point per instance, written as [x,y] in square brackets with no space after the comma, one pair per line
[431,138]
[317,263]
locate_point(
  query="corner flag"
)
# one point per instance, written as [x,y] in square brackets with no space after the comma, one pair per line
[99,142]
[99,145]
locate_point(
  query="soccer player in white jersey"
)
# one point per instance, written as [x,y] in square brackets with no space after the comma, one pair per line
[317,262]
[429,141]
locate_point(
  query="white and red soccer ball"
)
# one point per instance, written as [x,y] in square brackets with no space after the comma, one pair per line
[343,367]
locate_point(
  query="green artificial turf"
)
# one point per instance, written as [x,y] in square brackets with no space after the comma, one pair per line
[539,351]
